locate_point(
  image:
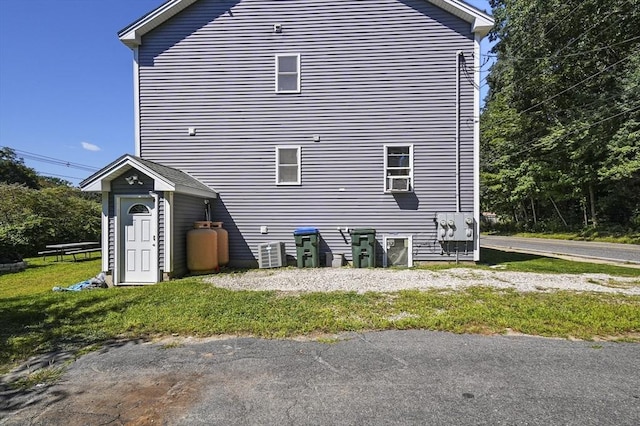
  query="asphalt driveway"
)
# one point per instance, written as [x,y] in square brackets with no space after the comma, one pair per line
[378,378]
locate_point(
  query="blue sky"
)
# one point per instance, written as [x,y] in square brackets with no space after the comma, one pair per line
[66,90]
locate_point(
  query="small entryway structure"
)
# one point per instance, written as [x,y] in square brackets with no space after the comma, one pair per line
[147,209]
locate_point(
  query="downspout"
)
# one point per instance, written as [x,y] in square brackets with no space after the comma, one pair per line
[476,146]
[136,101]
[459,55]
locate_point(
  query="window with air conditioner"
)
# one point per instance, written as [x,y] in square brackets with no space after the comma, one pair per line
[398,168]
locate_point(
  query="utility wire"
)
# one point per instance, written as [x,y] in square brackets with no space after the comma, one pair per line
[582,129]
[520,113]
[570,55]
[576,85]
[46,174]
[541,132]
[51,160]
[582,34]
[547,32]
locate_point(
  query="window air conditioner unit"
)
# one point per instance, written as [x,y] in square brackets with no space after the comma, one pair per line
[272,255]
[399,184]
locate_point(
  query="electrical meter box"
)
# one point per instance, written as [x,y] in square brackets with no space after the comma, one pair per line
[455,226]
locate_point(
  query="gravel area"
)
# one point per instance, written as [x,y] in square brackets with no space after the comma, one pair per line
[389,280]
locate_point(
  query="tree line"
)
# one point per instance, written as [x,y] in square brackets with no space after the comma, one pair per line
[560,130]
[38,210]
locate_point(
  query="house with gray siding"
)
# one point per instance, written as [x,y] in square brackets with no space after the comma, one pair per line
[333,114]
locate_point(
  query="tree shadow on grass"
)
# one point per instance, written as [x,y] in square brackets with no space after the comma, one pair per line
[14,395]
[49,331]
[496,257]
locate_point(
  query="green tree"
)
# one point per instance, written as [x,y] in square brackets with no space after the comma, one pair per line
[560,126]
[31,219]
[13,169]
[50,182]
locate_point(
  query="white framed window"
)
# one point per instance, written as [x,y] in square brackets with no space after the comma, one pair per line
[398,168]
[288,165]
[288,73]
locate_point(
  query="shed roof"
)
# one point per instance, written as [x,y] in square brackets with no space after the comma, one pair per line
[165,178]
[481,23]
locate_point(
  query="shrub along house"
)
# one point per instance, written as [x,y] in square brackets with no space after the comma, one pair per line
[281,114]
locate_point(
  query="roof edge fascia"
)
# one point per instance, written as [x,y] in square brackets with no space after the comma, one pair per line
[101,181]
[187,190]
[481,23]
[132,34]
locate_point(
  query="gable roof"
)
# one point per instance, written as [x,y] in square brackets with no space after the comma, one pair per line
[481,23]
[165,178]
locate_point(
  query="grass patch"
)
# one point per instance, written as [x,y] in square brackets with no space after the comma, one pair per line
[42,377]
[42,275]
[172,345]
[328,340]
[36,320]
[521,262]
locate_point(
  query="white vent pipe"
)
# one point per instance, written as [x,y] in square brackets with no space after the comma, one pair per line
[459,58]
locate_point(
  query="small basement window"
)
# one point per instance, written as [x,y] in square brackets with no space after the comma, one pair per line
[288,165]
[398,168]
[288,73]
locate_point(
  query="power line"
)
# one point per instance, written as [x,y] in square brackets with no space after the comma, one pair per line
[46,174]
[574,40]
[521,113]
[582,129]
[51,160]
[570,55]
[585,107]
[576,85]
[547,32]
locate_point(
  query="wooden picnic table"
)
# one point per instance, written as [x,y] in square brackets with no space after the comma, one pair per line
[71,248]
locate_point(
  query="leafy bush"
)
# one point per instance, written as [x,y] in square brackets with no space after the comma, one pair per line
[31,219]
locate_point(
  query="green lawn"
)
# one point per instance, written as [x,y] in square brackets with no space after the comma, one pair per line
[36,320]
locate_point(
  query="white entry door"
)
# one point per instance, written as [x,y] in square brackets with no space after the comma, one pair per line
[138,255]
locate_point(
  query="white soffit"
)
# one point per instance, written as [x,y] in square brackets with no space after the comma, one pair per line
[481,23]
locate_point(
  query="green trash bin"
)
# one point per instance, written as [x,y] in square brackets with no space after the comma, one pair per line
[307,247]
[363,247]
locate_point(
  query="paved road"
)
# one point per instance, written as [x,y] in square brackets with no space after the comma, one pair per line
[381,378]
[615,253]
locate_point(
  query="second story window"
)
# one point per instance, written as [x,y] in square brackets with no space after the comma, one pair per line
[288,73]
[287,165]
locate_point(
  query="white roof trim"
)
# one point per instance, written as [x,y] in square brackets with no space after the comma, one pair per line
[132,35]
[481,23]
[181,189]
[101,182]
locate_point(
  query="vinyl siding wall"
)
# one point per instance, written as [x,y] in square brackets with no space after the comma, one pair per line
[372,73]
